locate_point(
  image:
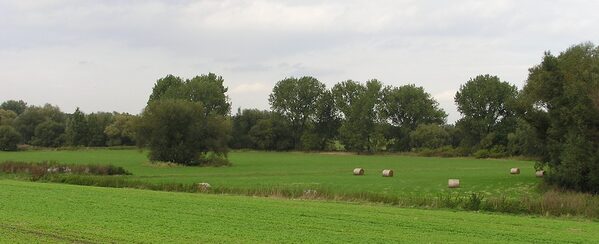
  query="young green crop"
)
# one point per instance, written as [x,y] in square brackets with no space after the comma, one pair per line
[38,212]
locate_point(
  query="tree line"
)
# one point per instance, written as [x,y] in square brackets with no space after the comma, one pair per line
[554,118]
[48,126]
[369,117]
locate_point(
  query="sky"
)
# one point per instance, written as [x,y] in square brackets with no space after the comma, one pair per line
[107,55]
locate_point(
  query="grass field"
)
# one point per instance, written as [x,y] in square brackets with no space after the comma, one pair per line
[46,212]
[331,172]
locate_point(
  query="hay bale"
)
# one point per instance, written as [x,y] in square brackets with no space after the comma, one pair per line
[387,173]
[453,183]
[540,173]
[358,171]
[203,187]
[515,171]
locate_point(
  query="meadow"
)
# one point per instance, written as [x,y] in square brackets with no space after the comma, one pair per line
[414,176]
[59,213]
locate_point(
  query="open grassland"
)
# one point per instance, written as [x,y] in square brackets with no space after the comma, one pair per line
[46,212]
[414,176]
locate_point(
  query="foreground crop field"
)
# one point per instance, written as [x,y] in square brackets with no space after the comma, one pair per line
[45,212]
[413,175]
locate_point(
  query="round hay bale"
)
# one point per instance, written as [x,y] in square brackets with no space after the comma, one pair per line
[540,173]
[203,187]
[358,171]
[515,171]
[387,173]
[453,183]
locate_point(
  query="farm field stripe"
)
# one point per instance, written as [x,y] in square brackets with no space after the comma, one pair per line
[413,175]
[129,215]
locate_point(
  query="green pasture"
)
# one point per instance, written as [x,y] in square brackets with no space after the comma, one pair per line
[47,212]
[331,172]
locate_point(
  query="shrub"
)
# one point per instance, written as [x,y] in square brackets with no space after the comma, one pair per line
[445,151]
[495,152]
[41,169]
[474,201]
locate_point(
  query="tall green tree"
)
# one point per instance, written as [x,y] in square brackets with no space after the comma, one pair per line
[562,105]
[362,126]
[295,99]
[489,111]
[325,127]
[77,131]
[406,107]
[96,125]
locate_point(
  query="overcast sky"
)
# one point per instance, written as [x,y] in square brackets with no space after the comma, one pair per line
[107,55]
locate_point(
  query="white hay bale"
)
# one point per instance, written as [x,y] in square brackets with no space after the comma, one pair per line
[204,186]
[453,183]
[540,173]
[515,171]
[358,171]
[387,173]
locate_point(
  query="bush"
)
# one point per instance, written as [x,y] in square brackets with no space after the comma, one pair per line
[495,152]
[9,138]
[445,151]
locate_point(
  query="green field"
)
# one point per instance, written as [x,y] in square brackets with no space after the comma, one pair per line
[331,172]
[46,212]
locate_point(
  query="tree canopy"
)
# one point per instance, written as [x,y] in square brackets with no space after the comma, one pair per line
[488,108]
[360,105]
[207,89]
[561,98]
[295,99]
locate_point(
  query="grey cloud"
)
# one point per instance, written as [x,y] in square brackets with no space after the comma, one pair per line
[94,50]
